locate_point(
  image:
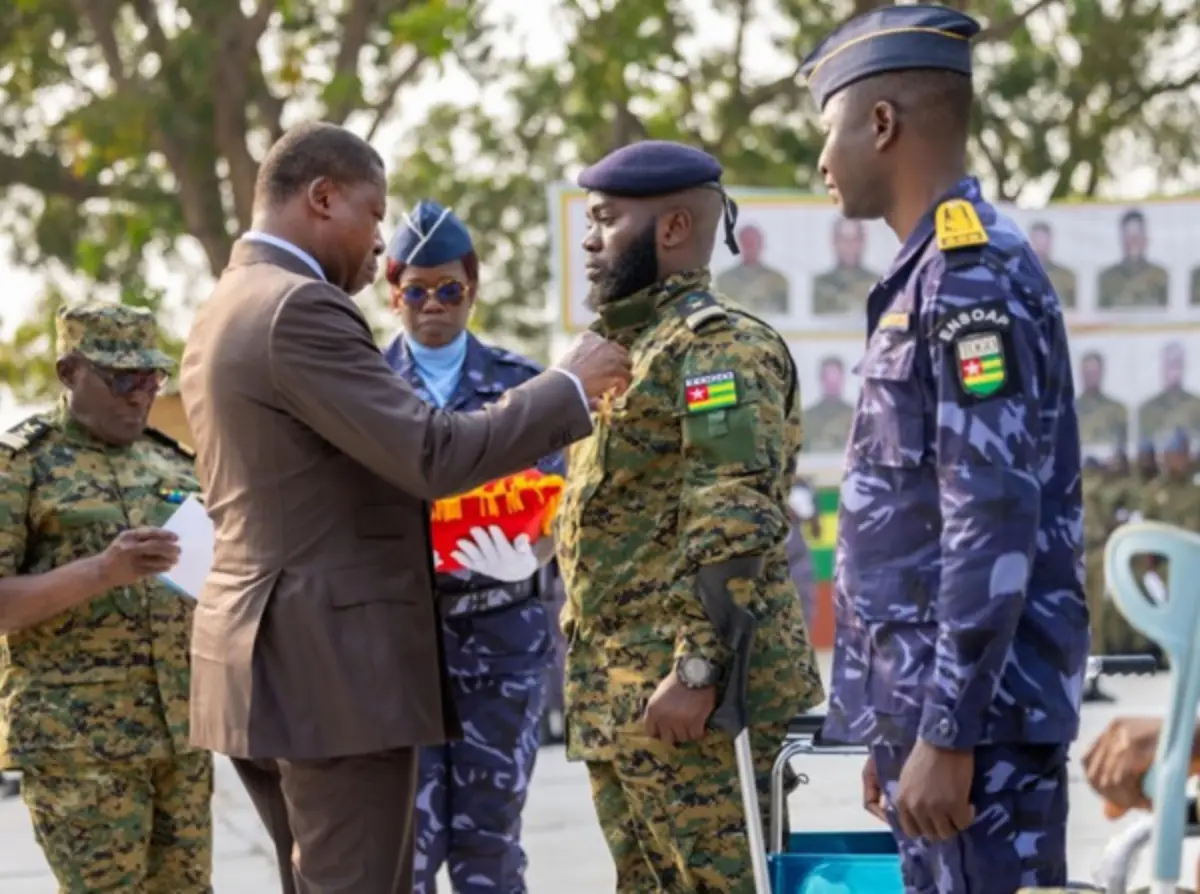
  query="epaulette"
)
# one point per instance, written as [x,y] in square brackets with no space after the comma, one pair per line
[699,309]
[167,441]
[25,434]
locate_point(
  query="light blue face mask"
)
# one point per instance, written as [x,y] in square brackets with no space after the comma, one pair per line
[440,368]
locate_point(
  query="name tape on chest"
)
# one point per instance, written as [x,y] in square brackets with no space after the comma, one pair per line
[957,225]
[897,321]
[715,391]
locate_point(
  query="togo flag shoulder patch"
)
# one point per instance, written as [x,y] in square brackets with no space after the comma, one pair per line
[714,391]
[982,367]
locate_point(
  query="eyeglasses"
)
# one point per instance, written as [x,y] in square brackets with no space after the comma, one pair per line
[449,292]
[122,382]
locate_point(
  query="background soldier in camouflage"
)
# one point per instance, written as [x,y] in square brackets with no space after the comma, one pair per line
[1102,420]
[1135,281]
[827,420]
[1062,278]
[1174,406]
[759,288]
[675,510]
[1096,529]
[843,289]
[961,631]
[94,658]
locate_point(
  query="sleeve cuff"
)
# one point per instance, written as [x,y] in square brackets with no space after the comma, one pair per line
[578,385]
[941,728]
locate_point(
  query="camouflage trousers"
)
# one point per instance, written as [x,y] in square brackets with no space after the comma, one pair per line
[672,816]
[133,825]
[1019,837]
[471,792]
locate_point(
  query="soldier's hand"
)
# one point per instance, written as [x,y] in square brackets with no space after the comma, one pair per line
[676,713]
[600,365]
[933,797]
[1118,761]
[872,791]
[138,554]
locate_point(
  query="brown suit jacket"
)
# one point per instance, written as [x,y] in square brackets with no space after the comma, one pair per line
[317,635]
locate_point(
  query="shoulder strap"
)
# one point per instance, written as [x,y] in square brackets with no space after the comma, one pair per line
[167,441]
[25,434]
[699,309]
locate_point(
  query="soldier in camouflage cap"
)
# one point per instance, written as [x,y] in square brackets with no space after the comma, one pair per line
[112,336]
[674,521]
[93,646]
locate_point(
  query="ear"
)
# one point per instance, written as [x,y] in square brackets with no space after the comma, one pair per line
[320,192]
[884,124]
[674,227]
[65,368]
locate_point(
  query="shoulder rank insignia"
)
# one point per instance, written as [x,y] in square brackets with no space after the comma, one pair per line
[715,391]
[167,441]
[25,434]
[700,308]
[957,225]
[896,321]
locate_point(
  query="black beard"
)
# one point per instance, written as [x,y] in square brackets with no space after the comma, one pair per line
[633,271]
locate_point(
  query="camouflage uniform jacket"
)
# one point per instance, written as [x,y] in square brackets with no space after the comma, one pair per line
[490,628]
[107,679]
[691,467]
[958,597]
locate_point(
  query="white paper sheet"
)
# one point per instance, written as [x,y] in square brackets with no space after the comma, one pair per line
[192,526]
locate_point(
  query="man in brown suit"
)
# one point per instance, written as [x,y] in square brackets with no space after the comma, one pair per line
[316,654]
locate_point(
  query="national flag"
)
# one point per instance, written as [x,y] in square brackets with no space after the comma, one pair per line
[711,392]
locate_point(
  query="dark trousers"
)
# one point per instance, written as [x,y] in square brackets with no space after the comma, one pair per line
[340,826]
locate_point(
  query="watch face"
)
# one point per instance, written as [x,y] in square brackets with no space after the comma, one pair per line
[695,671]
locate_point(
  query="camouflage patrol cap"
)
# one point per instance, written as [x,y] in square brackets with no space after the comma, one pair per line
[112,335]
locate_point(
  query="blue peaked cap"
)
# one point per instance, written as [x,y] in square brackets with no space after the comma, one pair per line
[652,168]
[1178,442]
[891,38]
[429,236]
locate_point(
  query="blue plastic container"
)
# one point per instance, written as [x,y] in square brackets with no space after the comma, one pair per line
[837,863]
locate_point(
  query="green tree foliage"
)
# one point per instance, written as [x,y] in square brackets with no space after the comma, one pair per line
[1070,94]
[131,127]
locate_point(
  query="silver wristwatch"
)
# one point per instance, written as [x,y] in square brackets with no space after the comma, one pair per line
[696,673]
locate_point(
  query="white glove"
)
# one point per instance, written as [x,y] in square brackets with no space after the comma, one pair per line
[489,551]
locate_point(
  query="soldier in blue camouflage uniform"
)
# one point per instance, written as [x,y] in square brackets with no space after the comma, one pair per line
[962,630]
[496,629]
[94,650]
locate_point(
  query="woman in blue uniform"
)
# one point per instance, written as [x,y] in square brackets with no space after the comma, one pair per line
[495,625]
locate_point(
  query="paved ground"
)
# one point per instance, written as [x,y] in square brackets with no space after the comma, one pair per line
[566,850]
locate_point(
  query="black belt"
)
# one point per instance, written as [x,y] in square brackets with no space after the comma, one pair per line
[456,605]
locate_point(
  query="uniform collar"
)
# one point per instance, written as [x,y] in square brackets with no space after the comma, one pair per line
[631,315]
[476,369]
[913,250]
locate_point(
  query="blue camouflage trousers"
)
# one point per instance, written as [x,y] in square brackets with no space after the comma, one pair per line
[1019,837]
[472,792]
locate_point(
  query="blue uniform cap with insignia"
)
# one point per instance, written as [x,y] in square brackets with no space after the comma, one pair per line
[891,38]
[1177,442]
[429,236]
[653,168]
